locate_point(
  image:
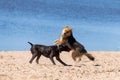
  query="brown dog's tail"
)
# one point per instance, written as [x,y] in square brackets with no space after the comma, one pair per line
[30,43]
[90,56]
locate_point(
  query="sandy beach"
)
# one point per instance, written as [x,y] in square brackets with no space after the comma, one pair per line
[14,65]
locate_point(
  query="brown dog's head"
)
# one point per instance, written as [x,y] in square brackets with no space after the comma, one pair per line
[66,32]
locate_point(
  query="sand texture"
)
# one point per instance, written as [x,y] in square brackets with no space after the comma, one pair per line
[14,65]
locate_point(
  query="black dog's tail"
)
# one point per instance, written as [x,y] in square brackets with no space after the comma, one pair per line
[30,43]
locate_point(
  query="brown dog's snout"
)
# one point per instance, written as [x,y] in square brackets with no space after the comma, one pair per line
[66,32]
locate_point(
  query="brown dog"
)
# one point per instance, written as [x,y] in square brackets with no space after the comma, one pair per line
[77,49]
[66,32]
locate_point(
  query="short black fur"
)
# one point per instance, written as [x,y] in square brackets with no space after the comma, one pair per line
[47,51]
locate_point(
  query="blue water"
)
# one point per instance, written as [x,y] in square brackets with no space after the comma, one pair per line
[96,24]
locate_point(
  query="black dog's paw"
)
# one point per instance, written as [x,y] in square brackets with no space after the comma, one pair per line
[30,62]
[67,65]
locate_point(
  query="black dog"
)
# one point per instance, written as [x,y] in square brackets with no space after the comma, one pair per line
[47,51]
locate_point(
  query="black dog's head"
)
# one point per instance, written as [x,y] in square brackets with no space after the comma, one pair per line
[63,48]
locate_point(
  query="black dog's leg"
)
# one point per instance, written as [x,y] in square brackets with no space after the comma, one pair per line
[33,57]
[51,58]
[37,60]
[58,58]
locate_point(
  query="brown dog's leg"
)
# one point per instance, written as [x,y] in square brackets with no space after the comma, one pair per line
[33,57]
[37,60]
[58,58]
[73,53]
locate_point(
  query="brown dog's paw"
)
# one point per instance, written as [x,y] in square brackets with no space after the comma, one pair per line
[57,41]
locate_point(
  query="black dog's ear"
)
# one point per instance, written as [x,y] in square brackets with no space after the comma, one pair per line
[63,45]
[58,45]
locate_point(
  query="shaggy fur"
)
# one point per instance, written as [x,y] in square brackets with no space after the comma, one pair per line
[66,32]
[47,51]
[77,49]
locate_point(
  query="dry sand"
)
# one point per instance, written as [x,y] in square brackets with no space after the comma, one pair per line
[14,65]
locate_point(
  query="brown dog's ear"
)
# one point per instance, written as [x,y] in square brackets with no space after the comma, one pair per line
[70,29]
[67,27]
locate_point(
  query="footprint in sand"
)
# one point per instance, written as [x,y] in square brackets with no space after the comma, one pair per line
[1,57]
[33,77]
[4,77]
